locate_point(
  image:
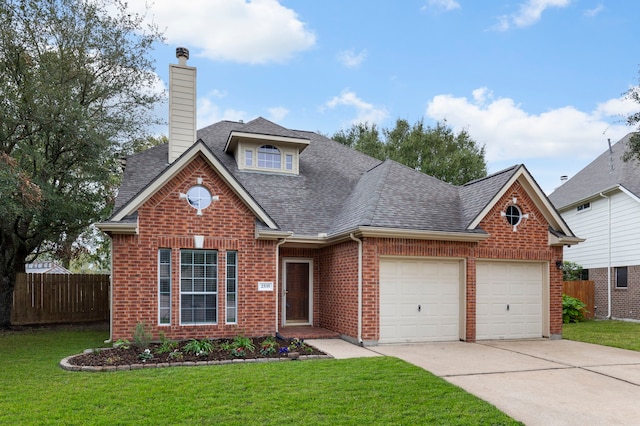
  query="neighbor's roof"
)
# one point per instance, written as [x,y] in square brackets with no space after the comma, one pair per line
[606,172]
[337,190]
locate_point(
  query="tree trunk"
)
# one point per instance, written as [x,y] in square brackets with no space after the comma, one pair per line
[7,283]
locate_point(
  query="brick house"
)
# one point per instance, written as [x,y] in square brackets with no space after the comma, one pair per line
[602,203]
[247,228]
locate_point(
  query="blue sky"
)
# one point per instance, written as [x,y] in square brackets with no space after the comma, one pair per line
[537,82]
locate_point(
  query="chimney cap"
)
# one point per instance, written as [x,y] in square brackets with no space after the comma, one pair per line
[182,52]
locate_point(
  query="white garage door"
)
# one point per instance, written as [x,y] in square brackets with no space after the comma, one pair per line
[419,300]
[509,299]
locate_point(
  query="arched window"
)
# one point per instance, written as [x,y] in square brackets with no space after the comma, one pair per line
[269,157]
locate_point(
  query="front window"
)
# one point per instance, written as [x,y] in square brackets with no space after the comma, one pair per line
[248,158]
[198,286]
[164,286]
[199,197]
[288,162]
[232,287]
[269,157]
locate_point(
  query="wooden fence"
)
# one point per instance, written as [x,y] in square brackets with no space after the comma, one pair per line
[583,290]
[60,298]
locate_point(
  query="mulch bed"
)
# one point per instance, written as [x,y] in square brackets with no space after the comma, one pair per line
[119,357]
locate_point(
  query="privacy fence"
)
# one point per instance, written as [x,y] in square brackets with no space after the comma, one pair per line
[60,298]
[583,290]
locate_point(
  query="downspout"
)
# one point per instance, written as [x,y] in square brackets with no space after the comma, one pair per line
[110,339]
[609,260]
[359,287]
[281,242]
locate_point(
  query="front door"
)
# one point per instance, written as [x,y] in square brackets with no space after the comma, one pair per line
[297,283]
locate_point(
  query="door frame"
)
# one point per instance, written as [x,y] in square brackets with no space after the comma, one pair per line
[283,296]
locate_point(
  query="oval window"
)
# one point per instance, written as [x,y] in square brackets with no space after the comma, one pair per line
[513,215]
[199,197]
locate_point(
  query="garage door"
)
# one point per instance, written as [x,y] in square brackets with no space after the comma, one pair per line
[419,300]
[509,299]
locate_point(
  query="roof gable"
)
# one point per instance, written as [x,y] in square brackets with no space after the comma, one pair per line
[498,184]
[608,171]
[199,148]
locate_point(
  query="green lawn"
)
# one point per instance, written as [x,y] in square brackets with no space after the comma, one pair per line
[619,334]
[35,390]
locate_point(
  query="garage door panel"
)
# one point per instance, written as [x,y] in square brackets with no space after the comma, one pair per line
[419,300]
[509,300]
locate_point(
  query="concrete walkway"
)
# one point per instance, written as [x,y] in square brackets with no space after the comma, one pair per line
[539,382]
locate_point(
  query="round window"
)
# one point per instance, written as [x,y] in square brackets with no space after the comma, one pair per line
[199,197]
[513,215]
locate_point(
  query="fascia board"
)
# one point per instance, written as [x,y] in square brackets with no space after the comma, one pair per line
[234,135]
[177,166]
[128,228]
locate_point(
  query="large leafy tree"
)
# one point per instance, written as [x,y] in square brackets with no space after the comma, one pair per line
[76,82]
[634,120]
[436,151]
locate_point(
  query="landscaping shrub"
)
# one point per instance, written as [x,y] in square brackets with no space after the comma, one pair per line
[573,309]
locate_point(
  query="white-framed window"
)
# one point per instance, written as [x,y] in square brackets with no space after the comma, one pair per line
[164,286]
[513,215]
[288,162]
[248,158]
[232,287]
[198,287]
[269,157]
[583,207]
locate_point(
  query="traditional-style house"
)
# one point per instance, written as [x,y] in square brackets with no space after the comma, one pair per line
[250,228]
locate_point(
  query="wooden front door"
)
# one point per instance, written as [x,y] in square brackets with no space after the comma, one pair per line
[296,292]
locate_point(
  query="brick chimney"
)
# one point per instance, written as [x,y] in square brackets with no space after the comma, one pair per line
[182,105]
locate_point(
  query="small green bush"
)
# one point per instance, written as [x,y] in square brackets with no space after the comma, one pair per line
[573,309]
[141,336]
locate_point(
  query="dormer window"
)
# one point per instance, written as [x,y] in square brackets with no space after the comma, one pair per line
[269,157]
[267,152]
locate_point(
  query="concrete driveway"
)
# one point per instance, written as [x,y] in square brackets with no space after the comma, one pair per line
[539,382]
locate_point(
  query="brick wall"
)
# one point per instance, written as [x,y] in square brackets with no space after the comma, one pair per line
[167,221]
[625,302]
[528,242]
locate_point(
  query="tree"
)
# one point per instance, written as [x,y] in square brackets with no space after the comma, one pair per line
[75,82]
[437,151]
[633,120]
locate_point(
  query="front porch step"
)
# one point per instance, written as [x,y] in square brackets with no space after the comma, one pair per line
[307,332]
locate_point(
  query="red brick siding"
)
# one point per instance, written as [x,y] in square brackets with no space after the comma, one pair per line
[625,302]
[338,276]
[167,221]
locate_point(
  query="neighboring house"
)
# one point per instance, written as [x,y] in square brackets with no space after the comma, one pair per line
[45,268]
[246,228]
[602,204]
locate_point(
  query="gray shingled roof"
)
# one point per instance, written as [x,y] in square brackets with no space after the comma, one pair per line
[338,189]
[605,172]
[475,195]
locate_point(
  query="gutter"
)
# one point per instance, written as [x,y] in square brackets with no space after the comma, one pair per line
[359,287]
[110,339]
[280,242]
[609,259]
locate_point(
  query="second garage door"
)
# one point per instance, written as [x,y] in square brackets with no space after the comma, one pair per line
[419,300]
[509,300]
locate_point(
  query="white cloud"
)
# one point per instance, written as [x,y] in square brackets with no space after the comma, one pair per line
[277,114]
[442,4]
[529,13]
[351,59]
[365,112]
[254,32]
[209,113]
[595,11]
[512,134]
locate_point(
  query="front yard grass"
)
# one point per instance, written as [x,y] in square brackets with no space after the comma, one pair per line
[619,334]
[383,390]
